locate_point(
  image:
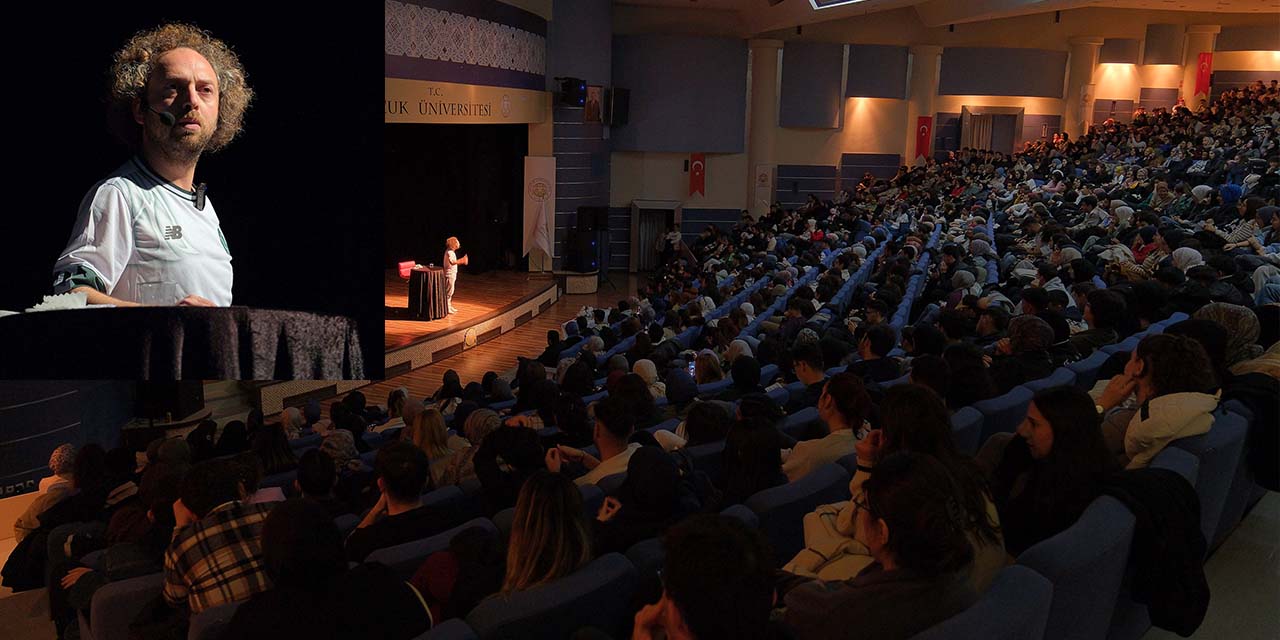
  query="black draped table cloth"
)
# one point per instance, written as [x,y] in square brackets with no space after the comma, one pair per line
[170,343]
[426,293]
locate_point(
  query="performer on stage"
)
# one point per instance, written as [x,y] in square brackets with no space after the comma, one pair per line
[451,262]
[147,234]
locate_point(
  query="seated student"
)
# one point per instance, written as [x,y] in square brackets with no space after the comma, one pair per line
[215,557]
[1171,380]
[914,419]
[1024,355]
[931,371]
[60,485]
[551,355]
[1102,312]
[752,459]
[717,582]
[316,480]
[652,497]
[313,594]
[746,379]
[430,434]
[843,406]
[1044,476]
[550,537]
[970,379]
[874,349]
[402,471]
[905,517]
[271,450]
[614,426]
[806,360]
[506,458]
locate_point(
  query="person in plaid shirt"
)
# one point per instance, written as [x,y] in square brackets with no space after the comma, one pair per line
[216,554]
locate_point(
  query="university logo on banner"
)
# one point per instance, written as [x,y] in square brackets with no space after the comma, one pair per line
[698,174]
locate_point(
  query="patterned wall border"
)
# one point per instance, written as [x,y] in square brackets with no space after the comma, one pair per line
[274,397]
[426,43]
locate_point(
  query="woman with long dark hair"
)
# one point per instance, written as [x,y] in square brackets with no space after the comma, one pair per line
[1050,470]
[752,460]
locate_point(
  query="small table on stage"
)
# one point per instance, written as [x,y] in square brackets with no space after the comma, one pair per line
[426,293]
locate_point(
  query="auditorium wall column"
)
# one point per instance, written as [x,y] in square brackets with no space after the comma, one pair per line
[1078,106]
[921,88]
[762,121]
[1200,39]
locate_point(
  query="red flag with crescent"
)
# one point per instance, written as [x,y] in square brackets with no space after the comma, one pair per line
[924,135]
[697,173]
[1204,70]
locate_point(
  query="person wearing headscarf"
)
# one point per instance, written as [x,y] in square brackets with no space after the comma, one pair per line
[1242,328]
[736,348]
[461,466]
[649,373]
[291,422]
[750,310]
[1201,193]
[1185,257]
[340,446]
[1024,355]
[962,283]
[650,499]
[62,463]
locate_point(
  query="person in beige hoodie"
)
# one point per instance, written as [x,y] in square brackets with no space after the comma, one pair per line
[1168,377]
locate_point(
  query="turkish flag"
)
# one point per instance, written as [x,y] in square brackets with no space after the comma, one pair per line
[697,173]
[1204,69]
[924,135]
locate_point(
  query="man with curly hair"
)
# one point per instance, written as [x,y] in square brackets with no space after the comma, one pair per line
[147,234]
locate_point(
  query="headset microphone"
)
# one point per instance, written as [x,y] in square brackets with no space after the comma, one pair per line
[165,117]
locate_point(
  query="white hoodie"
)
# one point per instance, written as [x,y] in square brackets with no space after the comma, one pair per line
[1165,419]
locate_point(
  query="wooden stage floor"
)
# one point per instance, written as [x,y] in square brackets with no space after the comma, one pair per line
[475,297]
[500,353]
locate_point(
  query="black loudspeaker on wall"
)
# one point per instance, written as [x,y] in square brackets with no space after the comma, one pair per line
[617,106]
[573,92]
[583,253]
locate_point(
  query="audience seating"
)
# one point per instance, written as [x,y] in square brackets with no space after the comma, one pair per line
[598,595]
[116,604]
[452,629]
[1086,564]
[1003,414]
[1087,370]
[609,484]
[706,458]
[1015,607]
[210,623]
[405,558]
[966,430]
[802,424]
[781,509]
[1059,378]
[1219,452]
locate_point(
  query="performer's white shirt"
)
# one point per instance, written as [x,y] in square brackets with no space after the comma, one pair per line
[135,227]
[450,264]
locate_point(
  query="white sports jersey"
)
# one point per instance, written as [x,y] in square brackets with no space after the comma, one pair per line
[134,228]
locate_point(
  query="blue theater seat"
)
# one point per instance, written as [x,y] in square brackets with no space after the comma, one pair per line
[803,424]
[598,594]
[1003,414]
[1219,452]
[1015,607]
[609,484]
[779,395]
[305,442]
[707,458]
[452,629]
[1086,564]
[1087,370]
[781,510]
[743,514]
[210,623]
[966,430]
[405,558]
[1059,378]
[116,604]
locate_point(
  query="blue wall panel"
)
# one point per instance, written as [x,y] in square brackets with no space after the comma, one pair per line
[877,71]
[810,94]
[794,183]
[983,71]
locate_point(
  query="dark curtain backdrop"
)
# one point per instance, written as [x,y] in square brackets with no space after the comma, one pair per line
[298,194]
[455,180]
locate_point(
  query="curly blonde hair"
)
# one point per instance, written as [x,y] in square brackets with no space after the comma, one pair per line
[133,65]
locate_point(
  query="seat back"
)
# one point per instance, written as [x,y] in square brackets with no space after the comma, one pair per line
[707,458]
[609,484]
[210,623]
[1086,564]
[1087,370]
[966,430]
[1219,452]
[1003,414]
[598,594]
[1016,606]
[405,558]
[743,514]
[451,629]
[781,509]
[1062,376]
[116,604]
[801,424]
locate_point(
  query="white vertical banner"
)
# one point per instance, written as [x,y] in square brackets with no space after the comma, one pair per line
[762,189]
[539,211]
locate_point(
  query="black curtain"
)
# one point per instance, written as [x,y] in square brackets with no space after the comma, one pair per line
[455,180]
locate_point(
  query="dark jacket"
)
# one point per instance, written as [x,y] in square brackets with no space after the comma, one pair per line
[1168,549]
[875,603]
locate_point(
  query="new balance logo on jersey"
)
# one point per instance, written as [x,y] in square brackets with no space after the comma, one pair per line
[172,232]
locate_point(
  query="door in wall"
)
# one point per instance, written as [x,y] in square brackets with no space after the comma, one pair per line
[653,225]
